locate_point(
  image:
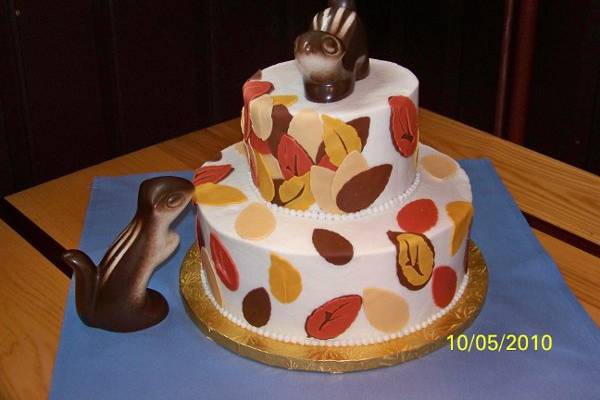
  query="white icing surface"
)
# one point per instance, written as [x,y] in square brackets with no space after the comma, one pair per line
[369,99]
[373,264]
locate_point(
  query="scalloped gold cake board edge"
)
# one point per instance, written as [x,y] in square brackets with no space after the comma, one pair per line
[330,358]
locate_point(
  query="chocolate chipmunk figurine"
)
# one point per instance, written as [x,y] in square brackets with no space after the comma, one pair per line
[333,54]
[115,295]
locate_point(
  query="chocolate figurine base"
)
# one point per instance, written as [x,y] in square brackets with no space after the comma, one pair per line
[328,92]
[325,358]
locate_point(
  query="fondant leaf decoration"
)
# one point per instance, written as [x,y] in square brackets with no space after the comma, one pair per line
[295,193]
[385,310]
[333,318]
[209,271]
[260,114]
[443,285]
[404,125]
[340,139]
[258,144]
[285,280]
[320,186]
[439,165]
[306,127]
[255,222]
[332,246]
[285,100]
[293,160]
[362,128]
[326,163]
[214,194]
[461,214]
[211,173]
[224,265]
[353,164]
[281,122]
[265,182]
[256,307]
[251,157]
[272,166]
[240,148]
[251,90]
[415,258]
[418,216]
[363,189]
[256,76]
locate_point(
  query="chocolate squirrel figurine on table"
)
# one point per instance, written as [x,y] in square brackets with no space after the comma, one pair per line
[115,295]
[333,54]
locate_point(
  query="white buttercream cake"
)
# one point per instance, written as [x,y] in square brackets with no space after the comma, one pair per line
[329,224]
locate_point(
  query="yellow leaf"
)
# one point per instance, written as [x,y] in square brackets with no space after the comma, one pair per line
[260,115]
[320,186]
[353,164]
[209,271]
[285,100]
[385,310]
[214,194]
[255,222]
[265,182]
[284,279]
[307,128]
[340,139]
[461,213]
[295,193]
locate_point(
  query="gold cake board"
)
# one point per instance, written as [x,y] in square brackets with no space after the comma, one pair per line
[331,359]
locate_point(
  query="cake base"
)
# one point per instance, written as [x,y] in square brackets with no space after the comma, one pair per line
[331,359]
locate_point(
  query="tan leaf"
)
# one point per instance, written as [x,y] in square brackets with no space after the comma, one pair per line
[214,194]
[320,184]
[209,270]
[385,310]
[255,222]
[273,166]
[295,193]
[265,182]
[260,115]
[461,213]
[285,280]
[340,139]
[353,164]
[306,127]
[439,165]
[285,100]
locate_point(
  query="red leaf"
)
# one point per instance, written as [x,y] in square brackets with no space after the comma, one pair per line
[326,163]
[211,173]
[258,144]
[404,125]
[333,318]
[252,90]
[443,286]
[224,264]
[418,216]
[292,158]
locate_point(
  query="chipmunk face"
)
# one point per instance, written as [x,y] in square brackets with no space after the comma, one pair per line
[165,196]
[319,55]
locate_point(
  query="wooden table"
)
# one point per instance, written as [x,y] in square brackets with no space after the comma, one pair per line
[557,198]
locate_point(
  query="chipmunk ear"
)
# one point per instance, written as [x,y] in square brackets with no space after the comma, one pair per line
[349,4]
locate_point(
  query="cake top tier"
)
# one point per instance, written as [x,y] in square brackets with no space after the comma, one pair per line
[385,80]
[341,157]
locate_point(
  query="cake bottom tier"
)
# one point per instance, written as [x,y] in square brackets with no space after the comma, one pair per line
[346,279]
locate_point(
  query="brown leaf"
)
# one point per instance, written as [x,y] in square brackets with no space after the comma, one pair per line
[281,122]
[363,189]
[256,307]
[332,246]
[333,318]
[353,164]
[362,128]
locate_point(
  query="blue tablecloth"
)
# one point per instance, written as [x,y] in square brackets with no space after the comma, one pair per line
[174,360]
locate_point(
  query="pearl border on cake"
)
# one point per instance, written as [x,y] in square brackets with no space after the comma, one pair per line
[314,214]
[335,342]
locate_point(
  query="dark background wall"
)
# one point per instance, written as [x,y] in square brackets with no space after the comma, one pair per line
[85,80]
